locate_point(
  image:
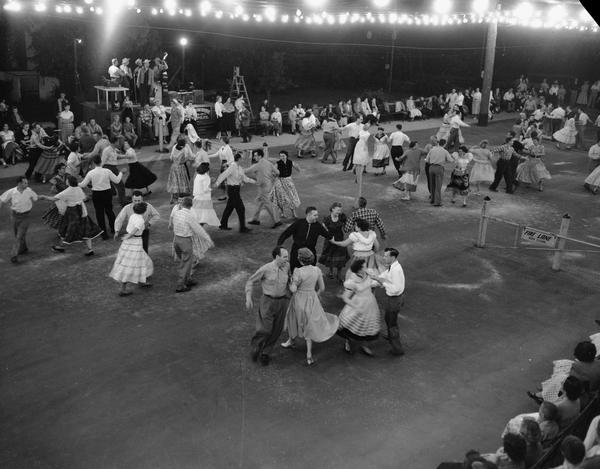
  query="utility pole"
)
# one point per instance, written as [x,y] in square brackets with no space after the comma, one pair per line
[488,70]
[392,54]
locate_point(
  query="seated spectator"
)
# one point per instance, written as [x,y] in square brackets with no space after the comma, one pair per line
[586,368]
[129,132]
[592,439]
[16,119]
[568,404]
[511,455]
[573,451]
[23,138]
[548,421]
[9,145]
[530,431]
[590,463]
[263,121]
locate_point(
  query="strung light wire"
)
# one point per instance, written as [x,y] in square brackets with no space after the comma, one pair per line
[524,14]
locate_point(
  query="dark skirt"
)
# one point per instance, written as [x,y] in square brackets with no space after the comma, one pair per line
[73,227]
[380,163]
[347,334]
[221,124]
[139,176]
[52,217]
[229,121]
[334,255]
[459,182]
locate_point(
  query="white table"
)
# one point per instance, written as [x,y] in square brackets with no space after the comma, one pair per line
[109,89]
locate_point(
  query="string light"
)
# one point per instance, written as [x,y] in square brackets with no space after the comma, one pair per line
[524,14]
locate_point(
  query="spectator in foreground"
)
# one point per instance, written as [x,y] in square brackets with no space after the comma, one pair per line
[511,455]
[573,451]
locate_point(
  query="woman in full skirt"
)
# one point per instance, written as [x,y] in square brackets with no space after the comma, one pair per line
[56,210]
[592,181]
[360,319]
[334,257]
[139,176]
[132,264]
[482,170]
[73,224]
[178,181]
[305,316]
[203,206]
[567,135]
[533,171]
[459,178]
[381,153]
[284,194]
[306,143]
[364,245]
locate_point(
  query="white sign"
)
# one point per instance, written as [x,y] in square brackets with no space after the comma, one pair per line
[537,236]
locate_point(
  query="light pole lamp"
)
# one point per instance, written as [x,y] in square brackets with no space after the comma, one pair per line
[75,67]
[183,42]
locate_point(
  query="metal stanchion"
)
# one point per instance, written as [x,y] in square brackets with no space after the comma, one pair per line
[483,222]
[560,245]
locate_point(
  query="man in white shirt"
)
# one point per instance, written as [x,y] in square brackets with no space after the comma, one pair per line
[454,136]
[556,118]
[398,139]
[114,72]
[100,178]
[276,122]
[265,173]
[20,199]
[184,226]
[235,177]
[293,118]
[219,108]
[509,100]
[354,129]
[580,123]
[110,159]
[150,216]
[126,74]
[451,99]
[392,280]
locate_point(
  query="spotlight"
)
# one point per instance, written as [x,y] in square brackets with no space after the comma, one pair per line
[442,6]
[205,7]
[315,3]
[480,6]
[183,41]
[524,10]
[270,13]
[381,3]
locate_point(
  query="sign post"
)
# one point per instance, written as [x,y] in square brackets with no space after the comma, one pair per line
[564,228]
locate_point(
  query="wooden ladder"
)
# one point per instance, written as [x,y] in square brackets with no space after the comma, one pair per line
[238,87]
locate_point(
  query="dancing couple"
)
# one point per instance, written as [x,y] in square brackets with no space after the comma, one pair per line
[303,315]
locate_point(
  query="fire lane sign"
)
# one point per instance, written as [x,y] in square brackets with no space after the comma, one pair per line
[540,237]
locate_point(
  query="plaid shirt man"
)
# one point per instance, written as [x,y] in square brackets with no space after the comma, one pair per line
[368,214]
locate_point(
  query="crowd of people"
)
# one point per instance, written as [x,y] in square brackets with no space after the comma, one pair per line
[82,163]
[529,437]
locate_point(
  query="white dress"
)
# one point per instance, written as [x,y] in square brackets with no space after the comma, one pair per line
[567,134]
[482,170]
[203,207]
[132,264]
[361,151]
[381,154]
[592,182]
